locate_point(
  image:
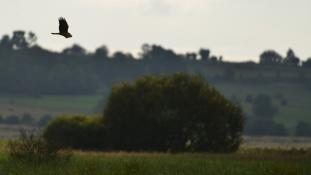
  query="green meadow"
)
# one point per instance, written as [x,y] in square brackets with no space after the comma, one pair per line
[244,162]
[38,106]
[296,94]
[298,97]
[297,109]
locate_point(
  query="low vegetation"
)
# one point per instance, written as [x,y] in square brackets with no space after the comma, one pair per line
[244,162]
[31,147]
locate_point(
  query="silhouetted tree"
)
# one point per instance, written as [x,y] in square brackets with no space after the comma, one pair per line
[75,50]
[220,58]
[291,59]
[204,54]
[191,56]
[101,53]
[270,57]
[213,59]
[146,49]
[6,43]
[119,56]
[19,40]
[158,53]
[31,38]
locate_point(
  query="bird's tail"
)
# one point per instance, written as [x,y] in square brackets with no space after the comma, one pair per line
[55,33]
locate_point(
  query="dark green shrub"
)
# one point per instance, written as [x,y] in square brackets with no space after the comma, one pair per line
[179,112]
[78,132]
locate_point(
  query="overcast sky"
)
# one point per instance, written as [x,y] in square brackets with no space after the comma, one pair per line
[236,29]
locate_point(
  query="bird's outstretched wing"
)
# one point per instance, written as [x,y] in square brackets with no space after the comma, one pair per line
[63,25]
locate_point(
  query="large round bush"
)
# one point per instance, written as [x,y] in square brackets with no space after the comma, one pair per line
[178,112]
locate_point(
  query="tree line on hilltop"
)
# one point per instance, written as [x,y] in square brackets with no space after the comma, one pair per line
[27,68]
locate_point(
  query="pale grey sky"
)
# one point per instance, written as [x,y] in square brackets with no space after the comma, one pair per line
[236,29]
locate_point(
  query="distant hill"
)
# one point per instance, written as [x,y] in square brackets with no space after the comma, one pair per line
[39,81]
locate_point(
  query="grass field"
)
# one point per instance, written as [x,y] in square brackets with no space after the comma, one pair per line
[298,97]
[244,162]
[38,106]
[257,156]
[297,109]
[296,94]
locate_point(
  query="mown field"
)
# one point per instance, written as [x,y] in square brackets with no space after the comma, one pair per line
[244,162]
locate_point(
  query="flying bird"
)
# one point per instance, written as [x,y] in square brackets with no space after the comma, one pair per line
[63,28]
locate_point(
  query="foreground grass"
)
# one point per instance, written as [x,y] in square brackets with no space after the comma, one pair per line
[248,162]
